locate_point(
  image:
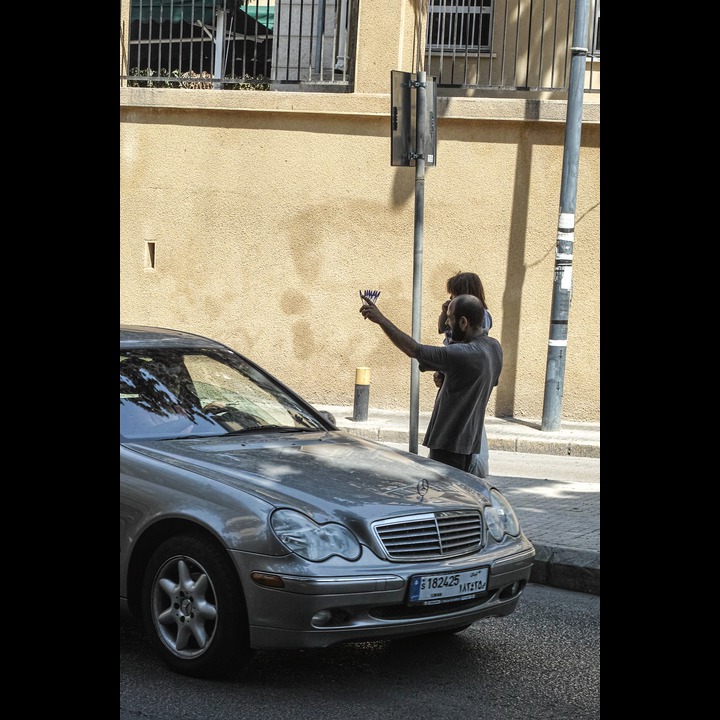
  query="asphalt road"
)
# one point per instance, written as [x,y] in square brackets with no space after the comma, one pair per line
[543,661]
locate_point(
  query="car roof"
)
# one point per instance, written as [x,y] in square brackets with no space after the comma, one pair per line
[138,336]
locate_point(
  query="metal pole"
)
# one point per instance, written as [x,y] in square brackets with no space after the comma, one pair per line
[562,282]
[320,33]
[421,129]
[342,33]
[219,46]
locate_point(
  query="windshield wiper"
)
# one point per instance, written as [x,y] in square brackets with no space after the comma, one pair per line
[190,437]
[274,428]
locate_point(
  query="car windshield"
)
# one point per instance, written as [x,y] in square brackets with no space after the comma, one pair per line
[167,393]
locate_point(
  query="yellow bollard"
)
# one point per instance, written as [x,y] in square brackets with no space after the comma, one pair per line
[362,394]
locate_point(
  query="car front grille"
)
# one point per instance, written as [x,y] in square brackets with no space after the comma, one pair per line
[430,535]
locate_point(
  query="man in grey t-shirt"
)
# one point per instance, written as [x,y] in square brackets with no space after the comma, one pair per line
[471,365]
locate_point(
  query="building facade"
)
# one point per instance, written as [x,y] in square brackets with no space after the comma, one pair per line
[255,213]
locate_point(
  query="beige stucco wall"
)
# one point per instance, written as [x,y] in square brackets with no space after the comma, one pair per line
[269,211]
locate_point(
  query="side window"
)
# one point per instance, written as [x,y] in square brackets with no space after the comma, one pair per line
[460,25]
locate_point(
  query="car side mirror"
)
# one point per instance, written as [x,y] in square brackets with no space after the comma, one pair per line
[328,416]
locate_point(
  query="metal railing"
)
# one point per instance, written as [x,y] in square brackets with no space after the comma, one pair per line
[507,45]
[477,45]
[241,44]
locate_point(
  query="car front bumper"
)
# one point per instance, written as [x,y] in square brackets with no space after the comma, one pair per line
[325,609]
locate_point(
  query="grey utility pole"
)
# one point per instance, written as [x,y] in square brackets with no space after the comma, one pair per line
[413,138]
[421,127]
[562,283]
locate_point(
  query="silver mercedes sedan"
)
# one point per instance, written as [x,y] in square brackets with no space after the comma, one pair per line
[249,522]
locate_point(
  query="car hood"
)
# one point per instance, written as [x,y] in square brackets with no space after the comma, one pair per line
[322,472]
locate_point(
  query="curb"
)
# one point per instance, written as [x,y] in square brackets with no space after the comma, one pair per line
[506,434]
[572,448]
[566,568]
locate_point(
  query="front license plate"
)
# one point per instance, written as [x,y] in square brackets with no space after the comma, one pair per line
[447,587]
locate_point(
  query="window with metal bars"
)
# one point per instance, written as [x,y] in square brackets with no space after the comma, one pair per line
[459,25]
[507,45]
[241,44]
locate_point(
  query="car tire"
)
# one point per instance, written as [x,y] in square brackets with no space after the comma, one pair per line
[193,608]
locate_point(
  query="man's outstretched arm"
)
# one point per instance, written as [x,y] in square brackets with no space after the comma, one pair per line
[401,340]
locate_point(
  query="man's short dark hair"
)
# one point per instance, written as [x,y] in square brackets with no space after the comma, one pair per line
[471,308]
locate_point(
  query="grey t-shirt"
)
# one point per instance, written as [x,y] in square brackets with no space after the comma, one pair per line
[472,370]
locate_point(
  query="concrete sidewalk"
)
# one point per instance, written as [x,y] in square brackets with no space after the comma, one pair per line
[510,434]
[552,479]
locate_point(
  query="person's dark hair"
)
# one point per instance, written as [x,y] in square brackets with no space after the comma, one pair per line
[469,306]
[467,283]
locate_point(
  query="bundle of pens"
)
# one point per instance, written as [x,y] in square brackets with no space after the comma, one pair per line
[370,295]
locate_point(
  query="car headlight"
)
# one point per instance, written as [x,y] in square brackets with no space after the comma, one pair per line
[500,517]
[312,541]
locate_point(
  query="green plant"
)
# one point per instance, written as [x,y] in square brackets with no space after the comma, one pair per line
[249,82]
[151,73]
